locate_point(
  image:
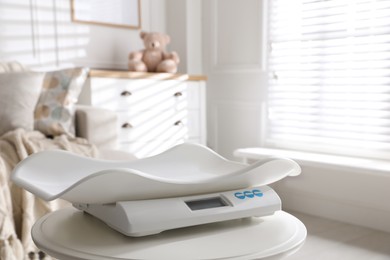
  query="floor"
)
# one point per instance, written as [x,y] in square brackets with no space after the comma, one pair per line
[332,240]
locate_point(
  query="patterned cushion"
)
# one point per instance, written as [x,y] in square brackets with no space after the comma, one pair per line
[55,110]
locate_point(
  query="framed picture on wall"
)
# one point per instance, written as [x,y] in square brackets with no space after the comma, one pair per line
[117,13]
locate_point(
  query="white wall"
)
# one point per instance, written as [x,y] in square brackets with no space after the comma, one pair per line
[184,25]
[353,196]
[233,62]
[41,33]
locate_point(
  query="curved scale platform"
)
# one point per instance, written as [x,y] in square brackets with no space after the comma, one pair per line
[185,169]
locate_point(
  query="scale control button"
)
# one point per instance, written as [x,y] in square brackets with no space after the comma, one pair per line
[257,193]
[239,195]
[248,194]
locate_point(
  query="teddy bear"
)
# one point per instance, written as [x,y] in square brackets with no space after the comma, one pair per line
[154,58]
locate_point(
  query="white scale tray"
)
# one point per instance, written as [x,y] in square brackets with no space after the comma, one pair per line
[186,169]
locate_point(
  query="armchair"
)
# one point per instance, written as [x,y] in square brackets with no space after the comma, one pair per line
[59,120]
[97,125]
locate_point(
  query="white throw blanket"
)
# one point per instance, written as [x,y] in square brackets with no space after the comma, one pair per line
[19,209]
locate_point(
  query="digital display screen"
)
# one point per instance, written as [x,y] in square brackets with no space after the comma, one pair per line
[209,203]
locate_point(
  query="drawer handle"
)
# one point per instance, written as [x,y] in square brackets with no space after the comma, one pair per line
[177,123]
[127,126]
[126,93]
[178,94]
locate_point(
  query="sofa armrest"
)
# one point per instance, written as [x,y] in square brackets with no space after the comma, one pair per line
[97,125]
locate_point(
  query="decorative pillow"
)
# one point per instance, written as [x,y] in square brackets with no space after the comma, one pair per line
[19,92]
[54,113]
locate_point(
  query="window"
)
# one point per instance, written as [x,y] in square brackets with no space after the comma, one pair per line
[329,76]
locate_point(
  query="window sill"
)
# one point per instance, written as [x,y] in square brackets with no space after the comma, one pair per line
[314,159]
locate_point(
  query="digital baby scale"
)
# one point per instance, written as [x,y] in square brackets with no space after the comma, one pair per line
[147,217]
[185,186]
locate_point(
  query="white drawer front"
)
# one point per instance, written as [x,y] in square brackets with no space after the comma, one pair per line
[158,125]
[193,94]
[153,114]
[193,122]
[124,94]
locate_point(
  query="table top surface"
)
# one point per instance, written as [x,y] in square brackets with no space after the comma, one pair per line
[71,234]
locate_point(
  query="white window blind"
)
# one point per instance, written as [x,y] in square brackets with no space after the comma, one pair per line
[329,76]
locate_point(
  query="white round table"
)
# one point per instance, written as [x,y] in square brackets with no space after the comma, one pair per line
[71,234]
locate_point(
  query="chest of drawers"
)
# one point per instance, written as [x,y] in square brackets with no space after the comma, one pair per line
[155,111]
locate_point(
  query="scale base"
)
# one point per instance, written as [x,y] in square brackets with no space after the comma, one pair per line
[149,217]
